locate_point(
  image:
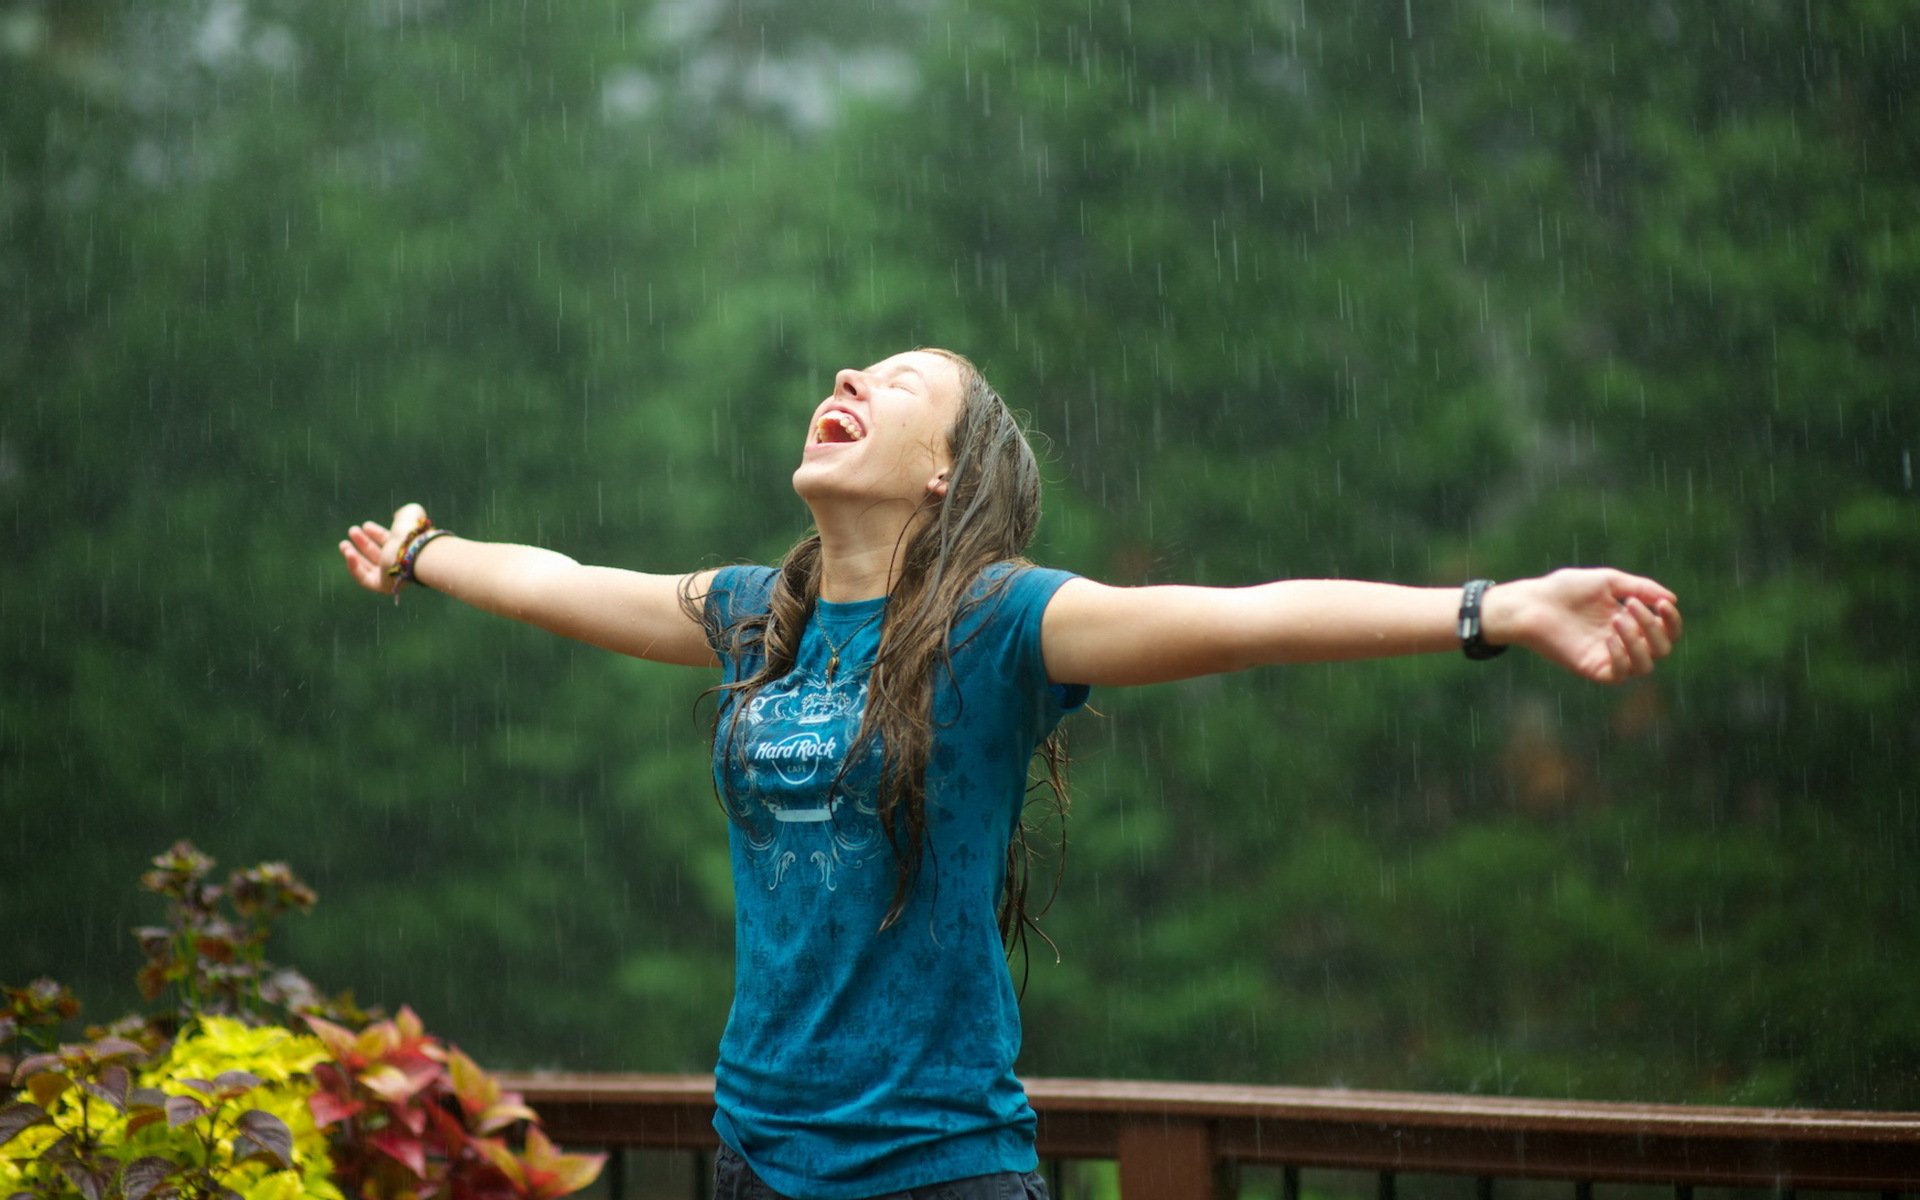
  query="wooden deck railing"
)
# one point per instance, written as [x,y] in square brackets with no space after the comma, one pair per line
[1186,1141]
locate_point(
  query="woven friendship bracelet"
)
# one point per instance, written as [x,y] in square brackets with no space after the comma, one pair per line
[401,572]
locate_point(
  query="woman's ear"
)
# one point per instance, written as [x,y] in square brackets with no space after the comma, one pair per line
[938,485]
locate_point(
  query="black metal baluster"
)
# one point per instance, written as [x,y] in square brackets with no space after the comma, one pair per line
[616,1173]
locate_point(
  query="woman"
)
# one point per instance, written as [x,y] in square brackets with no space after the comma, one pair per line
[883,694]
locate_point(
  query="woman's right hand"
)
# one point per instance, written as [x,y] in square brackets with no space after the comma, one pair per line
[370,548]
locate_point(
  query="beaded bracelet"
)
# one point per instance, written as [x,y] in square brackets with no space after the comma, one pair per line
[401,572]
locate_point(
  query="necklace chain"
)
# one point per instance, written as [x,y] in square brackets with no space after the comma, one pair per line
[833,650]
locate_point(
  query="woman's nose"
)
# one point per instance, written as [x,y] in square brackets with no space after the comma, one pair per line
[851,384]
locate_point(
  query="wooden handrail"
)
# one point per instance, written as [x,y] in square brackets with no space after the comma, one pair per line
[1171,1139]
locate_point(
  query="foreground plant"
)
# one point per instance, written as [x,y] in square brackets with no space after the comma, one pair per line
[220,1114]
[212,952]
[413,1117]
[227,1095]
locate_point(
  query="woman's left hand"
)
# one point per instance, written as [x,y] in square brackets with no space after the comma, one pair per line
[1601,624]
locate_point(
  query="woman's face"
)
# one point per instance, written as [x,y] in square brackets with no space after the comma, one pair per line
[882,434]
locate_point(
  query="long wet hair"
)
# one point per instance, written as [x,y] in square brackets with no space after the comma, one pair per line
[987,516]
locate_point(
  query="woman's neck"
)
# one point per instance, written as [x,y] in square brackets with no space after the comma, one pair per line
[860,552]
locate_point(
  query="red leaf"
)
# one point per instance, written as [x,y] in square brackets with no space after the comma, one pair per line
[339,1041]
[328,1108]
[452,1130]
[503,1159]
[409,1152]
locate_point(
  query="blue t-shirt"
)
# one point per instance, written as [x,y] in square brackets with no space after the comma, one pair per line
[857,1061]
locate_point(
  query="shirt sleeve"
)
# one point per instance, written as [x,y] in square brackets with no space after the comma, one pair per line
[1011,620]
[735,592]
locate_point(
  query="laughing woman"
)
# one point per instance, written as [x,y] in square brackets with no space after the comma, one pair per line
[884,691]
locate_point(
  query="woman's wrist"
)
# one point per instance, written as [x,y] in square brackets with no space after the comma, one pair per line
[410,561]
[1503,613]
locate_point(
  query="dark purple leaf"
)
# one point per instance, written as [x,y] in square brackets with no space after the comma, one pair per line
[235,1082]
[143,1175]
[268,1132]
[90,1179]
[202,1086]
[18,1116]
[33,1064]
[182,1109]
[146,1097]
[112,1086]
[117,1080]
[108,1048]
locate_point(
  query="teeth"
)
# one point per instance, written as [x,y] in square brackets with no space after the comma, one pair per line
[839,427]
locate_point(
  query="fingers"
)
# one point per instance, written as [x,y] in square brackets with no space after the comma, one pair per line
[367,538]
[1648,591]
[1670,615]
[1653,626]
[363,551]
[1634,639]
[1619,660]
[1640,636]
[365,571]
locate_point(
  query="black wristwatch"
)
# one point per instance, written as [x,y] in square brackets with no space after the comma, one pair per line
[1472,643]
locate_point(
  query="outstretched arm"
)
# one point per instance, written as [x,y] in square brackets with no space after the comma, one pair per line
[1601,624]
[626,611]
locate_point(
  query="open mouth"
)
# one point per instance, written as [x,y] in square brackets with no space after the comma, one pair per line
[838,427]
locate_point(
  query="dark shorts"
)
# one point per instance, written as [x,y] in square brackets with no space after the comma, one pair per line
[733,1179]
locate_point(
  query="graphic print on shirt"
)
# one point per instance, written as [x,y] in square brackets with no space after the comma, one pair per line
[803,815]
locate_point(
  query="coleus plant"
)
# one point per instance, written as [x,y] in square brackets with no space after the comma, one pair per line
[98,1120]
[211,953]
[413,1119]
[219,1099]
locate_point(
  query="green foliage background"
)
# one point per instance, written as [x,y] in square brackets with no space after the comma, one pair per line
[1292,288]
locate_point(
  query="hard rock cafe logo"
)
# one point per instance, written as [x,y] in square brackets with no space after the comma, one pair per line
[797,758]
[799,736]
